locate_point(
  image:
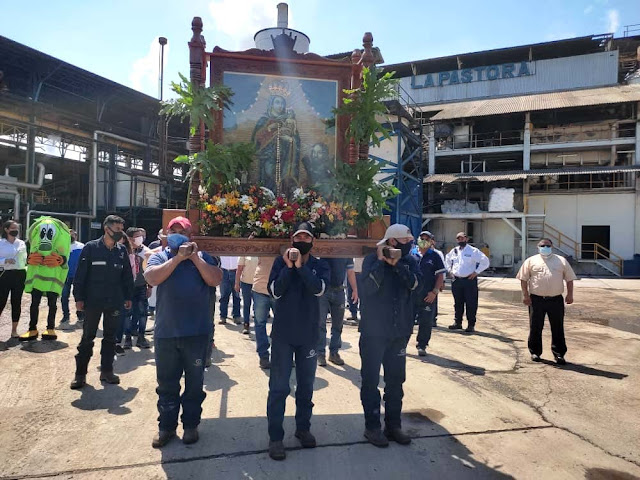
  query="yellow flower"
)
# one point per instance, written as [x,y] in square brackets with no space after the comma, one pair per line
[331,217]
[214,209]
[233,202]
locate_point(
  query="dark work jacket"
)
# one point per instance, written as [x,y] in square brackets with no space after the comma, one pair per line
[104,278]
[386,296]
[297,293]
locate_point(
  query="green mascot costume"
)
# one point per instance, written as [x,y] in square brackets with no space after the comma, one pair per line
[50,241]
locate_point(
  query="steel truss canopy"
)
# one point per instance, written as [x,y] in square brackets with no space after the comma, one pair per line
[535,102]
[522,174]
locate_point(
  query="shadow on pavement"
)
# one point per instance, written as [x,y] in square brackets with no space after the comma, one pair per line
[43,346]
[448,363]
[111,398]
[573,367]
[237,448]
[477,333]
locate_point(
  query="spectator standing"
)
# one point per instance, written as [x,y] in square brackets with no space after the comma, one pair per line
[137,320]
[229,267]
[244,283]
[13,271]
[263,304]
[74,256]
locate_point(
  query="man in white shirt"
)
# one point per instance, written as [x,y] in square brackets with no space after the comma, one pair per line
[541,278]
[464,263]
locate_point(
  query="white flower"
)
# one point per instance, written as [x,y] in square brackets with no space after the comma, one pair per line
[316,205]
[236,181]
[370,209]
[268,193]
[278,214]
[299,193]
[201,190]
[245,199]
[221,202]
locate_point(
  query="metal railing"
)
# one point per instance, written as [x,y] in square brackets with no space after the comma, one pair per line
[480,140]
[591,181]
[585,251]
[581,133]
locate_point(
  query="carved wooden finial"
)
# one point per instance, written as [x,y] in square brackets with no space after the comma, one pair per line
[196,27]
[368,58]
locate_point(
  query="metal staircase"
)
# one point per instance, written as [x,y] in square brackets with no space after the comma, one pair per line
[591,253]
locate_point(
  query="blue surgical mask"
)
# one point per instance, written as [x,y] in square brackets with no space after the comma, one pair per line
[174,240]
[544,251]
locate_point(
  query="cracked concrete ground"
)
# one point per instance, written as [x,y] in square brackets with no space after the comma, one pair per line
[476,406]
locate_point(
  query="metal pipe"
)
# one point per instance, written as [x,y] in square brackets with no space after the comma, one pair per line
[76,215]
[28,186]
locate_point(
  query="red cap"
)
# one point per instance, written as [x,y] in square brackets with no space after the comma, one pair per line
[183,222]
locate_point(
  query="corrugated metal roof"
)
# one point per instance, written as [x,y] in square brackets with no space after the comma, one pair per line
[541,101]
[521,174]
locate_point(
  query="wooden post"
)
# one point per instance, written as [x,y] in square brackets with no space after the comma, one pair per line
[367,60]
[356,82]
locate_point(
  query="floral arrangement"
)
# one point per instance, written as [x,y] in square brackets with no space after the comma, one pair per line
[255,211]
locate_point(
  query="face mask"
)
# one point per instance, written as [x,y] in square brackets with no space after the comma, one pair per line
[138,241]
[13,233]
[174,240]
[115,236]
[304,247]
[422,244]
[405,248]
[544,251]
[462,244]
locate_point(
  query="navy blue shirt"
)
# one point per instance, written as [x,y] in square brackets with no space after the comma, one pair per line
[431,266]
[103,278]
[297,293]
[182,305]
[338,267]
[386,308]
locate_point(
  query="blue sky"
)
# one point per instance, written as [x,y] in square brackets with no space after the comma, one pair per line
[118,39]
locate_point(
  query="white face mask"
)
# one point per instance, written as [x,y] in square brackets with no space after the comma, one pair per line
[544,251]
[138,241]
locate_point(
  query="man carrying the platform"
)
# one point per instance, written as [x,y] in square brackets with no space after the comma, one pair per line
[297,282]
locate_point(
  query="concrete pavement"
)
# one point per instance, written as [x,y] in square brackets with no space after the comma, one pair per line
[476,406]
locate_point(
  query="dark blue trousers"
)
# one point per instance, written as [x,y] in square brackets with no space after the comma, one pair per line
[175,356]
[465,293]
[282,355]
[426,314]
[390,353]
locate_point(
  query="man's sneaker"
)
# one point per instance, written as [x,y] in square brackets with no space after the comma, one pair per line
[265,363]
[470,329]
[119,350]
[535,358]
[127,342]
[376,438]
[190,436]
[142,342]
[223,321]
[65,319]
[336,358]
[560,360]
[276,450]
[422,352]
[397,435]
[109,377]
[307,440]
[322,360]
[455,326]
[78,382]
[245,330]
[162,438]
[237,320]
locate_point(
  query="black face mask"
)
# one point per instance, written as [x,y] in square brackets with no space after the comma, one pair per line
[115,236]
[405,248]
[462,244]
[304,247]
[13,233]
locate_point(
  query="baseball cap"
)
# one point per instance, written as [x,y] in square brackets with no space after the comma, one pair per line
[304,227]
[427,233]
[461,234]
[183,222]
[397,230]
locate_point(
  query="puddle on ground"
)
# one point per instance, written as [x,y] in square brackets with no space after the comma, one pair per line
[425,415]
[608,474]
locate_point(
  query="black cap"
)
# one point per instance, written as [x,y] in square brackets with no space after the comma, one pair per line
[305,227]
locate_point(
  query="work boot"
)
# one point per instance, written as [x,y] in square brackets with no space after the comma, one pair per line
[336,358]
[397,435]
[162,438]
[78,382]
[307,440]
[245,330]
[322,360]
[470,329]
[127,342]
[190,436]
[119,350]
[276,450]
[265,363]
[142,342]
[65,319]
[376,438]
[109,377]
[455,326]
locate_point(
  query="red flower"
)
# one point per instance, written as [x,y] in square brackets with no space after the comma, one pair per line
[288,216]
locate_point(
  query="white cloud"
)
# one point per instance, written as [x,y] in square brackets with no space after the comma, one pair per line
[613,21]
[588,10]
[145,71]
[241,19]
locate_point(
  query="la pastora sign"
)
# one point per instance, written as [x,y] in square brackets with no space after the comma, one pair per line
[470,75]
